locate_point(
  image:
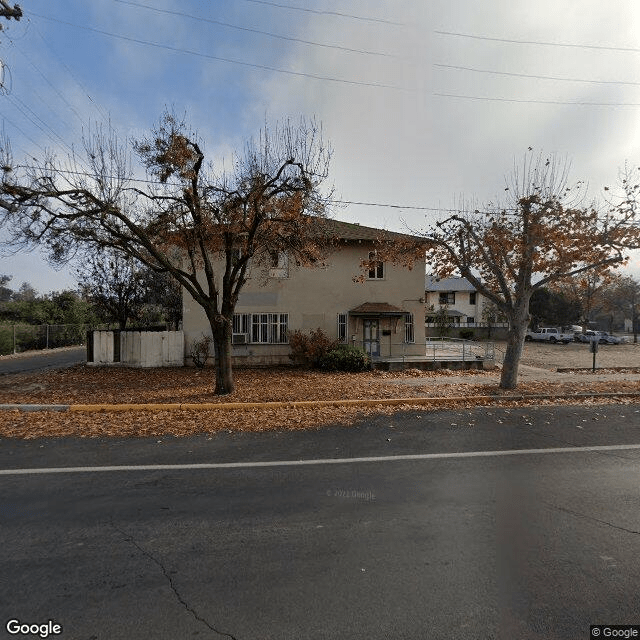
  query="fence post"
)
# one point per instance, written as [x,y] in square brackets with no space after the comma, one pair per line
[14,339]
[47,338]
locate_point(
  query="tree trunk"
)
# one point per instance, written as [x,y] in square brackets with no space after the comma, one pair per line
[515,342]
[222,346]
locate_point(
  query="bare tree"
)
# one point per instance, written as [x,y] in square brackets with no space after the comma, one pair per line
[204,228]
[623,296]
[588,290]
[114,284]
[541,237]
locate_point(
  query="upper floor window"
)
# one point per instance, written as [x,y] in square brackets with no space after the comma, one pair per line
[472,297]
[447,297]
[279,264]
[376,267]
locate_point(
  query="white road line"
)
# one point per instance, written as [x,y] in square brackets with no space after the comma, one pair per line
[300,463]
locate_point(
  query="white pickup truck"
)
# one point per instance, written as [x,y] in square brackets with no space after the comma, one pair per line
[549,334]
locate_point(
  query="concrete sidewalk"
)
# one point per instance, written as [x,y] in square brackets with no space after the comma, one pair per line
[301,404]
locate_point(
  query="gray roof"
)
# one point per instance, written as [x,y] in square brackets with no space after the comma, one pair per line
[447,284]
[353,231]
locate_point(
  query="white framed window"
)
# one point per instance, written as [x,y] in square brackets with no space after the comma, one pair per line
[376,267]
[409,335]
[279,264]
[472,297]
[342,327]
[262,328]
[447,297]
[241,323]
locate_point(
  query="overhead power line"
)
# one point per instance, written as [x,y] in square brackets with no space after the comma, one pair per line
[538,42]
[537,77]
[35,119]
[55,89]
[207,56]
[523,101]
[353,202]
[84,90]
[326,13]
[258,31]
[27,136]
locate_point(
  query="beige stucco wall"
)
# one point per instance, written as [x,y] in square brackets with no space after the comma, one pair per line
[314,297]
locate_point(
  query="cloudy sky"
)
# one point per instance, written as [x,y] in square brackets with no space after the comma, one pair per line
[424,102]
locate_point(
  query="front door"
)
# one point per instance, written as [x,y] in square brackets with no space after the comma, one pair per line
[372,337]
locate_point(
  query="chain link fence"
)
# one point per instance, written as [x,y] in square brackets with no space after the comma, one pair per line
[15,338]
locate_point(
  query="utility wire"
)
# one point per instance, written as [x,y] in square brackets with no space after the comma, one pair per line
[73,76]
[45,128]
[249,30]
[538,42]
[15,126]
[353,202]
[218,58]
[516,100]
[526,75]
[57,91]
[326,13]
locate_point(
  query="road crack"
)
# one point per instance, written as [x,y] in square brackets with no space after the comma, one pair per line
[577,514]
[131,540]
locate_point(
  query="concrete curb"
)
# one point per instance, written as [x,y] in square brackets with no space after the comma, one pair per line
[301,404]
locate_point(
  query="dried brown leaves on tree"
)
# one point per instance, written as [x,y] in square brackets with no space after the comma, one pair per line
[206,230]
[543,235]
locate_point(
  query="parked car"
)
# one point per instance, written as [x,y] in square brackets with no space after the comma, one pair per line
[549,334]
[601,336]
[607,338]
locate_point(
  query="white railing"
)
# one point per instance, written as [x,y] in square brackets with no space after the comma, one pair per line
[469,325]
[458,349]
[434,349]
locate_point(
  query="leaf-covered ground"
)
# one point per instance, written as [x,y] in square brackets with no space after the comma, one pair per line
[95,385]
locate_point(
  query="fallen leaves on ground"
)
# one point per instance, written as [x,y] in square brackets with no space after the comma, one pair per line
[96,385]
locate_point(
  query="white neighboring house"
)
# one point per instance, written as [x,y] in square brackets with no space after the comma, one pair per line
[458,297]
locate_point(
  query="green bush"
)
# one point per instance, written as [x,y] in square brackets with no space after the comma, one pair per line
[6,340]
[466,334]
[345,358]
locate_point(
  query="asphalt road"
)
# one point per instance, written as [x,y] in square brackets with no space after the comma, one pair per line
[511,528]
[43,360]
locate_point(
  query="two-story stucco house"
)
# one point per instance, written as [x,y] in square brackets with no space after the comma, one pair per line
[383,313]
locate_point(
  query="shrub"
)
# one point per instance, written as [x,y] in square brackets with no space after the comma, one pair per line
[6,340]
[466,334]
[346,358]
[308,350]
[200,351]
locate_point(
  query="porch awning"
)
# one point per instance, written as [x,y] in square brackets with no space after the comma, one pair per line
[454,313]
[378,309]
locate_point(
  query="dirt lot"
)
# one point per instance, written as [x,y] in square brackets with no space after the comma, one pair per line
[84,384]
[552,356]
